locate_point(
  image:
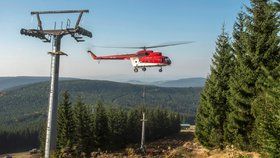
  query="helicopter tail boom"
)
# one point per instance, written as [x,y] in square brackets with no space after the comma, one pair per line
[92,55]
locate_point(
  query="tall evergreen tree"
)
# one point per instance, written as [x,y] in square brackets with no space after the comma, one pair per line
[204,114]
[118,128]
[214,105]
[242,90]
[240,119]
[66,125]
[260,48]
[268,119]
[134,126]
[153,125]
[83,127]
[264,34]
[101,129]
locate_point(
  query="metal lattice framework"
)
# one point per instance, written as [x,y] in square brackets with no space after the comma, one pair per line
[77,32]
[56,35]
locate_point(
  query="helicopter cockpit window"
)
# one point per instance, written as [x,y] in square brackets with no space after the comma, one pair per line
[167,60]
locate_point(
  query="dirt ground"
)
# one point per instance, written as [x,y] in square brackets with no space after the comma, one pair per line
[192,149]
[21,155]
[181,145]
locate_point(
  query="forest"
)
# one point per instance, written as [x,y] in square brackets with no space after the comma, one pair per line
[26,107]
[240,103]
[83,128]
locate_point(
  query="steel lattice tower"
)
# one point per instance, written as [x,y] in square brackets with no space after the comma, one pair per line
[55,35]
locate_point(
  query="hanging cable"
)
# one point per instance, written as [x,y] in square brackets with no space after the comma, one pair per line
[142,146]
[144,92]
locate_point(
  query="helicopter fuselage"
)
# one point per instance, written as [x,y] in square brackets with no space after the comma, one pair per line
[151,59]
[141,59]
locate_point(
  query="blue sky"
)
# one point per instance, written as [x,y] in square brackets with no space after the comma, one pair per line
[122,22]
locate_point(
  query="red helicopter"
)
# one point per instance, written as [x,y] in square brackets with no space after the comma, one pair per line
[143,58]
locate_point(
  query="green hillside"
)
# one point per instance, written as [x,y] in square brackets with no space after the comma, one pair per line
[27,106]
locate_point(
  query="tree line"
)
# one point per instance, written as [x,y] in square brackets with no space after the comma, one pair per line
[83,129]
[15,140]
[240,103]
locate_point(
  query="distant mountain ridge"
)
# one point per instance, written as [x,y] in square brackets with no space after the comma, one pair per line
[180,83]
[10,82]
[185,82]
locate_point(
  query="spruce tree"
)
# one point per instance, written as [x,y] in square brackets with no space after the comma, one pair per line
[117,122]
[242,91]
[268,119]
[153,125]
[83,127]
[203,124]
[65,121]
[240,119]
[260,48]
[101,129]
[214,104]
[134,126]
[264,47]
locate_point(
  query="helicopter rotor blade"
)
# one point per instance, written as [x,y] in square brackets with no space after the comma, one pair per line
[147,47]
[118,47]
[169,44]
